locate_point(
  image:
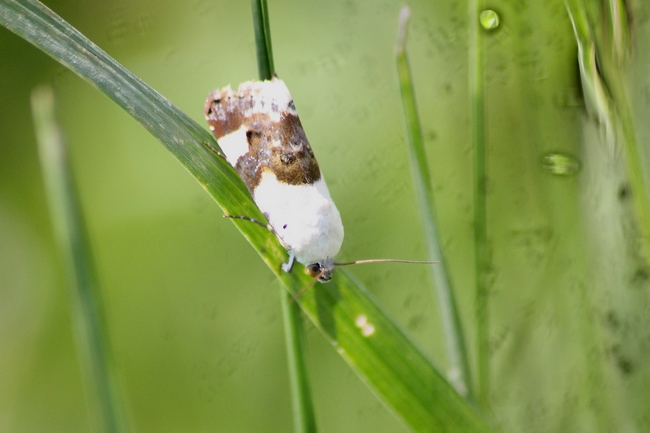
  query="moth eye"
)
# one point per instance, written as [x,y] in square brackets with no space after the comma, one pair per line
[284,226]
[313,269]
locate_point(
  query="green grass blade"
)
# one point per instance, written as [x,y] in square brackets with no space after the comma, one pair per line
[482,259]
[368,340]
[86,301]
[360,331]
[454,338]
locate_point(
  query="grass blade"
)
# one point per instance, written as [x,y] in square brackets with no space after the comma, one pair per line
[368,340]
[351,320]
[456,351]
[86,300]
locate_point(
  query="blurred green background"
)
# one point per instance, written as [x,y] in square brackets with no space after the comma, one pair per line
[194,315]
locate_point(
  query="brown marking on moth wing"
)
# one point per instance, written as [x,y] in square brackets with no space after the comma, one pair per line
[223,112]
[251,165]
[293,162]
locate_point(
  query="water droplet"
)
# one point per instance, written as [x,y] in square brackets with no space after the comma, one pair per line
[561,164]
[489,19]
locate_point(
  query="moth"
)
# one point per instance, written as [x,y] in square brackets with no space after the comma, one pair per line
[259,131]
[260,134]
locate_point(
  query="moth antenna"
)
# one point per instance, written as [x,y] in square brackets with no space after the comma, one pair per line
[363,262]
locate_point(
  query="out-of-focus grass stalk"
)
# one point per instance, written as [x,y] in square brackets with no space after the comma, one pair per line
[606,98]
[482,259]
[302,403]
[85,296]
[459,372]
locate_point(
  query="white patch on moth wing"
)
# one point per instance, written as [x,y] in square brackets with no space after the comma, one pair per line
[321,186]
[234,144]
[269,97]
[304,216]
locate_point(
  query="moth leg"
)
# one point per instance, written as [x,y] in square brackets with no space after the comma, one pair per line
[215,151]
[286,267]
[252,220]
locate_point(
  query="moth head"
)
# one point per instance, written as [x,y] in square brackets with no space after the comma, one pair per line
[323,270]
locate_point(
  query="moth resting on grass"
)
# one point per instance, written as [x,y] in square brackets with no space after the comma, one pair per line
[261,136]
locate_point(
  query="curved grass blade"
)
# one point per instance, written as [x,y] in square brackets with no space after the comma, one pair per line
[373,344]
[364,335]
